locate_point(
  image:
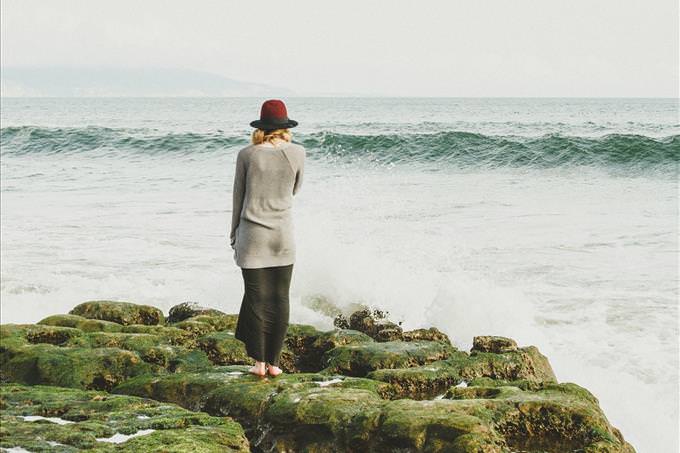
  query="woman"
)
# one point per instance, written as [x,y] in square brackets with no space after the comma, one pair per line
[268,173]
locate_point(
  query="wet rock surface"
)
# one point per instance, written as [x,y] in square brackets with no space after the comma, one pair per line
[44,418]
[366,385]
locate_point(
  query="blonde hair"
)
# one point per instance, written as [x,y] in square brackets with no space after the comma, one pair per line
[260,136]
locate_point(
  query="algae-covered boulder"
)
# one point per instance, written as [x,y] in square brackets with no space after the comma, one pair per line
[124,313]
[223,349]
[187,310]
[308,345]
[188,389]
[430,334]
[321,419]
[426,381]
[43,418]
[195,328]
[81,323]
[373,323]
[218,322]
[372,388]
[495,344]
[555,417]
[52,334]
[360,359]
[524,363]
[231,390]
[62,320]
[98,368]
[20,334]
[437,426]
[152,348]
[170,334]
[419,382]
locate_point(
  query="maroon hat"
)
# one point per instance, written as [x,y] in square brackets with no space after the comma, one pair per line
[273,115]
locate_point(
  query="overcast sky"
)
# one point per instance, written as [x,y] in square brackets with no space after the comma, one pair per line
[403,48]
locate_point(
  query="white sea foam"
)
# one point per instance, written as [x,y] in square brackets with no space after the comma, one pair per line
[57,420]
[119,438]
[329,382]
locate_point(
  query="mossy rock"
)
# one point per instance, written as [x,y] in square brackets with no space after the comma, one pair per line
[321,419]
[129,341]
[76,420]
[308,345]
[430,334]
[12,340]
[188,310]
[223,348]
[124,313]
[489,343]
[356,393]
[423,382]
[375,324]
[557,417]
[218,322]
[360,359]
[170,334]
[231,390]
[188,389]
[524,363]
[79,322]
[195,328]
[153,349]
[52,334]
[99,368]
[62,321]
[437,426]
[420,382]
[99,325]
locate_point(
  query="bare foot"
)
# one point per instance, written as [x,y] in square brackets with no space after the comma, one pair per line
[274,370]
[258,369]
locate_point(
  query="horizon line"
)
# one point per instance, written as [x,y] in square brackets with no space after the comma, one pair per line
[357,96]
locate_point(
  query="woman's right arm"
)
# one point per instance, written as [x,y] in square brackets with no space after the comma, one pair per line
[238,193]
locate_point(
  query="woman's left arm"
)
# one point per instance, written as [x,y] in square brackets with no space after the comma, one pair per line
[238,193]
[299,175]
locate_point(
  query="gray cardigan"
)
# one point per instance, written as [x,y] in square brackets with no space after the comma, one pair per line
[265,180]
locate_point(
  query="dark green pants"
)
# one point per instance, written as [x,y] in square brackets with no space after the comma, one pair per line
[263,318]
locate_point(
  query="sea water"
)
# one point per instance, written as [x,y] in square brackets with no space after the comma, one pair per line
[551,221]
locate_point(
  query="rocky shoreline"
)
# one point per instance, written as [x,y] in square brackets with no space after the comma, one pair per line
[117,376]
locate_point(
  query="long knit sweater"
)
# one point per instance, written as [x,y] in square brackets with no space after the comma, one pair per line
[265,180]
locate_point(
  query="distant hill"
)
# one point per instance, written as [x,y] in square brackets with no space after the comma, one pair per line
[125,82]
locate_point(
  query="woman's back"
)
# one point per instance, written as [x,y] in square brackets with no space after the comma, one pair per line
[265,181]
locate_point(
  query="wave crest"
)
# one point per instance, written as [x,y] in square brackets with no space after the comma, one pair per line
[465,149]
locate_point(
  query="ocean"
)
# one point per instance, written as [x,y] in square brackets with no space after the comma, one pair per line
[551,221]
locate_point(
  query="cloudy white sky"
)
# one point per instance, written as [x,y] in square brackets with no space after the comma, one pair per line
[395,47]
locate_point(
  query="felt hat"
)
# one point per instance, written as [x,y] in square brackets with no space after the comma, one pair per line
[273,115]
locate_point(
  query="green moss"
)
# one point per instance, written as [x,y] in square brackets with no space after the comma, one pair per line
[197,328]
[62,320]
[217,321]
[223,349]
[99,415]
[125,313]
[98,325]
[356,394]
[524,363]
[52,334]
[360,359]
[99,368]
